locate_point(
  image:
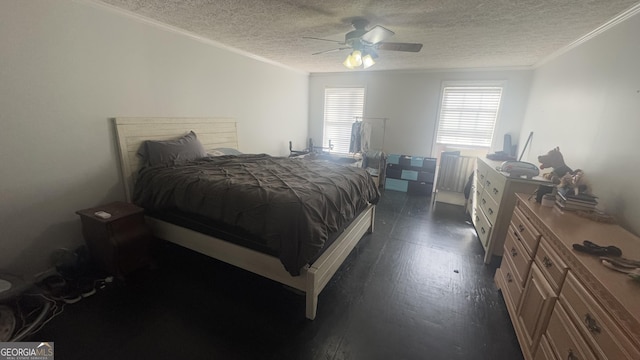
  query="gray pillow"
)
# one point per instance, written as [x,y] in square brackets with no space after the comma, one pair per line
[182,149]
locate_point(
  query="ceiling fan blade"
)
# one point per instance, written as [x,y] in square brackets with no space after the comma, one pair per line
[315,38]
[331,50]
[377,34]
[394,46]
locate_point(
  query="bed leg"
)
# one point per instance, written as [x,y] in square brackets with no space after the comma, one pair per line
[312,306]
[373,220]
[311,294]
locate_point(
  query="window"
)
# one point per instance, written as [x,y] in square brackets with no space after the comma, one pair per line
[341,107]
[468,115]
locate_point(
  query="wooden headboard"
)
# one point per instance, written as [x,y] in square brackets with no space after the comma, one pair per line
[132,132]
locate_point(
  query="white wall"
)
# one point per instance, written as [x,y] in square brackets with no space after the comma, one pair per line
[587,101]
[67,68]
[410,100]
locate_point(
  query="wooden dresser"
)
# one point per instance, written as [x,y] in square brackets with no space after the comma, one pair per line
[565,304]
[492,201]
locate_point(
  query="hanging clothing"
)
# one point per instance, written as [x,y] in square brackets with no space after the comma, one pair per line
[356,139]
[365,136]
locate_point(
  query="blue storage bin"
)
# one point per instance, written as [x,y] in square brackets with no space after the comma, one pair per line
[417,161]
[409,175]
[393,159]
[396,185]
[426,176]
[420,188]
[429,164]
[405,160]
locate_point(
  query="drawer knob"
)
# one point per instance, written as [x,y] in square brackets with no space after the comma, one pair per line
[521,227]
[591,324]
[495,191]
[490,211]
[488,183]
[515,233]
[547,262]
[514,252]
[482,229]
[509,277]
[484,201]
[570,356]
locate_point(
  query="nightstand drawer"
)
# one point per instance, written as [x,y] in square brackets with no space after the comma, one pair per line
[553,268]
[607,339]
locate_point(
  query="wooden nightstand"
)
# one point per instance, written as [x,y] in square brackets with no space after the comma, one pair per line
[121,243]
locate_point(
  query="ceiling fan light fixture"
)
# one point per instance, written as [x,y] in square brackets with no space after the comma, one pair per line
[367,61]
[347,63]
[355,59]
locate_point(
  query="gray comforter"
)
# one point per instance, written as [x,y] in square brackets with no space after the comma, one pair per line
[293,204]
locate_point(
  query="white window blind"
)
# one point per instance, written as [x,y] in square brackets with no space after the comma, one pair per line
[341,107]
[468,115]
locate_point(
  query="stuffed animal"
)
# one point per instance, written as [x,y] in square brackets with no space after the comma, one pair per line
[575,182]
[554,160]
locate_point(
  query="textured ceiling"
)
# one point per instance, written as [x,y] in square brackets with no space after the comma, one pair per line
[455,33]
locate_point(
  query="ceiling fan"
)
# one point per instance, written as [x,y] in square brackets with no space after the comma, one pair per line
[366,43]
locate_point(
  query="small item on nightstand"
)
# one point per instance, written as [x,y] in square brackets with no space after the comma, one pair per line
[102,214]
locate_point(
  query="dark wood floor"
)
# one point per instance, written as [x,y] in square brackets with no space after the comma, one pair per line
[415,289]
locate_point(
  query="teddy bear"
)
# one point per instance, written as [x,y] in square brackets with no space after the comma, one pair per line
[554,160]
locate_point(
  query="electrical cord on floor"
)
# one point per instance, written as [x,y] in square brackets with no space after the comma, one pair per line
[38,322]
[49,307]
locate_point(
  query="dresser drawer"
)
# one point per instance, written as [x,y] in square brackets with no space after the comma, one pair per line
[535,307]
[489,206]
[519,257]
[525,231]
[481,173]
[553,268]
[512,291]
[607,339]
[483,228]
[564,338]
[494,185]
[544,351]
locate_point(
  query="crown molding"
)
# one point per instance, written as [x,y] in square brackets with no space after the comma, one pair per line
[418,71]
[170,28]
[632,11]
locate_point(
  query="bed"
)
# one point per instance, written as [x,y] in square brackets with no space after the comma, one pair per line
[216,133]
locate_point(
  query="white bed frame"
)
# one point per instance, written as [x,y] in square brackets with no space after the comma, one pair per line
[221,132]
